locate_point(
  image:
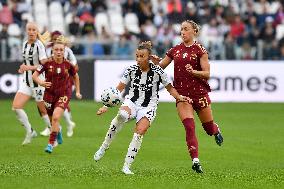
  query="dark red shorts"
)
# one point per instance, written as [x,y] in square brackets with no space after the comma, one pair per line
[200,102]
[51,102]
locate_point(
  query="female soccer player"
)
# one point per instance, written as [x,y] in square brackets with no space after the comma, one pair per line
[68,55]
[141,103]
[191,73]
[33,55]
[57,94]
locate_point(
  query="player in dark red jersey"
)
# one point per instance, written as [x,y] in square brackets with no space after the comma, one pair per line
[57,94]
[191,73]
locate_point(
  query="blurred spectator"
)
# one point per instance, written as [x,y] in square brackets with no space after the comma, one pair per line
[230,47]
[122,48]
[6,16]
[145,11]
[74,27]
[130,6]
[98,6]
[4,47]
[88,26]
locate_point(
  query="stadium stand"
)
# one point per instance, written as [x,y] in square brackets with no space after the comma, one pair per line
[240,29]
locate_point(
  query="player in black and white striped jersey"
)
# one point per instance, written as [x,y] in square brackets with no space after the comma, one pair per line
[33,55]
[140,104]
[68,55]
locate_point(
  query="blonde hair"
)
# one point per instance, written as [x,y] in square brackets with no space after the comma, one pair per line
[145,45]
[195,26]
[61,40]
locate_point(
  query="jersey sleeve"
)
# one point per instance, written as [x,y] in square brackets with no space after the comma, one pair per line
[126,76]
[71,57]
[41,68]
[201,50]
[41,51]
[72,70]
[170,53]
[164,77]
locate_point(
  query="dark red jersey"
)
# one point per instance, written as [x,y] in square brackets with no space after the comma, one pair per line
[184,82]
[59,75]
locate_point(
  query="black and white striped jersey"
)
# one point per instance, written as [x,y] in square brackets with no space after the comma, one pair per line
[32,54]
[144,86]
[68,55]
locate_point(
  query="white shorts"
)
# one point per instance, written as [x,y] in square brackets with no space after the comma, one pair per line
[139,112]
[35,92]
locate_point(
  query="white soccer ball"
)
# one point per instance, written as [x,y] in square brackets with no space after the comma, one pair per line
[111,97]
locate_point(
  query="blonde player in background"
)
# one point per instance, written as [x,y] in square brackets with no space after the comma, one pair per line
[33,55]
[68,55]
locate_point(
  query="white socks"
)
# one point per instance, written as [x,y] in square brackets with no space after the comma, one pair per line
[195,160]
[46,121]
[23,118]
[133,149]
[67,116]
[115,127]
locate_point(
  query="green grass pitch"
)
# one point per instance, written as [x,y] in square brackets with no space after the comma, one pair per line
[252,155]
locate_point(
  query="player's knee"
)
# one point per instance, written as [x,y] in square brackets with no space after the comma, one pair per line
[55,118]
[123,115]
[141,130]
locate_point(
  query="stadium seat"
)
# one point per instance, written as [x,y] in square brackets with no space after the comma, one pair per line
[114,6]
[56,17]
[131,22]
[14,30]
[101,19]
[98,49]
[27,16]
[116,23]
[279,31]
[68,18]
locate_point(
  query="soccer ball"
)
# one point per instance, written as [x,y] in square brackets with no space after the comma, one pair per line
[111,97]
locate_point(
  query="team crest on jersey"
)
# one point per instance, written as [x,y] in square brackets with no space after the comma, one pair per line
[50,68]
[58,70]
[184,55]
[193,57]
[177,53]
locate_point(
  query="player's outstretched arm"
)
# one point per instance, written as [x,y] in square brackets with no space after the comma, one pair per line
[161,62]
[102,110]
[120,86]
[77,86]
[176,95]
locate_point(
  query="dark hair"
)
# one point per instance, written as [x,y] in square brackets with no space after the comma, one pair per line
[145,45]
[56,32]
[194,25]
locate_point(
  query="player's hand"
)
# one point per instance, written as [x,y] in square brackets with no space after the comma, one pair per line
[181,98]
[155,59]
[102,110]
[189,68]
[78,96]
[23,68]
[45,84]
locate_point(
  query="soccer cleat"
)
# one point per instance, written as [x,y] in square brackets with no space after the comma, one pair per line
[126,170]
[29,137]
[219,138]
[49,148]
[45,132]
[59,137]
[99,154]
[197,167]
[70,128]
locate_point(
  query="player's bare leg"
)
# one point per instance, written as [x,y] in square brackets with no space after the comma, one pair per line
[18,104]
